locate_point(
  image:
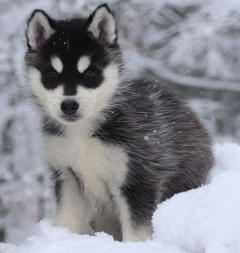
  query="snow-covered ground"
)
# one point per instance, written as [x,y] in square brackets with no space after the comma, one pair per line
[204,220]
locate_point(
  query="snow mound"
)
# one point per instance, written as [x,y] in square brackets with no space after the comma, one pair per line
[206,219]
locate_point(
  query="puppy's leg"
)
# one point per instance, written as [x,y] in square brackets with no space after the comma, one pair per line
[107,222]
[73,211]
[131,230]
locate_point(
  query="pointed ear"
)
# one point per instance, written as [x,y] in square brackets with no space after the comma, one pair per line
[102,26]
[39,28]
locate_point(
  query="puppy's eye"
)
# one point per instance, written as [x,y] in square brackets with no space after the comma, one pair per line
[91,72]
[51,72]
[51,75]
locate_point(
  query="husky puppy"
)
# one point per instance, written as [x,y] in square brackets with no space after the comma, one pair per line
[117,147]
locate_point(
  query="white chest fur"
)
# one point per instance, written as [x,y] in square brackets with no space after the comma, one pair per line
[96,163]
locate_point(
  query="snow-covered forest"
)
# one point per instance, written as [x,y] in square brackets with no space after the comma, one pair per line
[194,46]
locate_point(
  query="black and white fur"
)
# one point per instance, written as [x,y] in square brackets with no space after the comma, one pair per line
[116,147]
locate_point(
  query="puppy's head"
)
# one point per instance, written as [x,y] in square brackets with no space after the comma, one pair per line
[73,65]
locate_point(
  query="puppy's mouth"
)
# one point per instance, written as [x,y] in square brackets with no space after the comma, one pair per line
[70,118]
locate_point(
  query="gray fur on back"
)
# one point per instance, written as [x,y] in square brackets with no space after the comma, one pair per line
[168,147]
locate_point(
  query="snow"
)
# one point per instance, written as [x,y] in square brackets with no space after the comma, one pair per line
[146,137]
[206,220]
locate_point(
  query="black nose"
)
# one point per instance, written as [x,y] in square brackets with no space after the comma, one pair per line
[69,107]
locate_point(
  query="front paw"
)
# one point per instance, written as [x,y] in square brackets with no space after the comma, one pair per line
[139,235]
[73,225]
